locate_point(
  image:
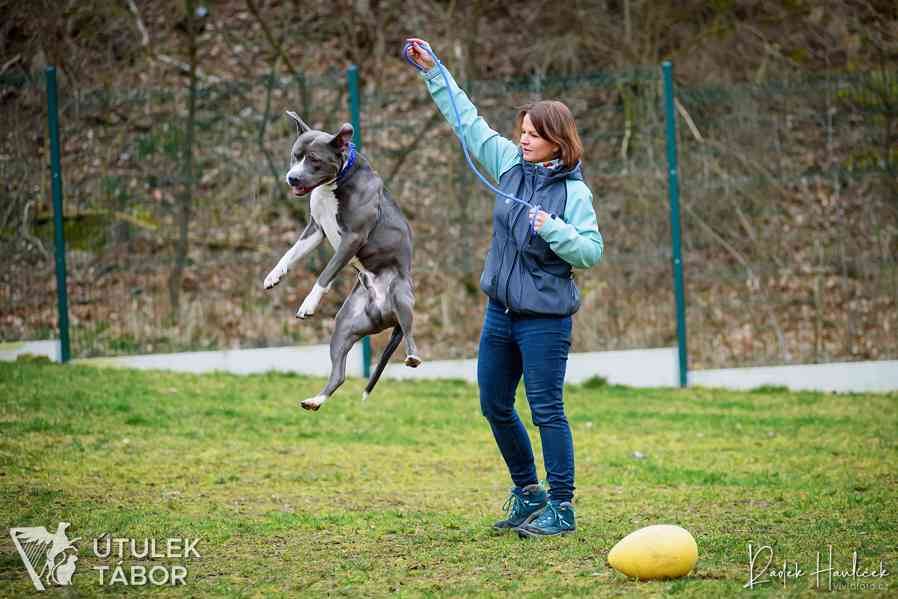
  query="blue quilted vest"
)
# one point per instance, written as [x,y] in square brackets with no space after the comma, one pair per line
[521,272]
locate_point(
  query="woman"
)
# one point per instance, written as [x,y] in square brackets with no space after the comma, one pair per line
[532,295]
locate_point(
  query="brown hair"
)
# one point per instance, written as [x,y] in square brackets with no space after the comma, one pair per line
[553,121]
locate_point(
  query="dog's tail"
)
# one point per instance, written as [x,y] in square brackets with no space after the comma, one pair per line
[392,344]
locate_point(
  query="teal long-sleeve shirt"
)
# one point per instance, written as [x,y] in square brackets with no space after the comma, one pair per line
[575,238]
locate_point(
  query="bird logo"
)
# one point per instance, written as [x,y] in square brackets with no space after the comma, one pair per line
[49,557]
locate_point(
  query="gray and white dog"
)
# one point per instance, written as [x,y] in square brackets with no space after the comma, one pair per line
[351,208]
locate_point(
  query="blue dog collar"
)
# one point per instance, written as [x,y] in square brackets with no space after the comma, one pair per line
[349,162]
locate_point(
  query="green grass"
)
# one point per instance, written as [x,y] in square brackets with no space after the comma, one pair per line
[395,496]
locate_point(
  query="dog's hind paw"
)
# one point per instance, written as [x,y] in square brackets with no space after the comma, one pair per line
[412,361]
[311,302]
[313,403]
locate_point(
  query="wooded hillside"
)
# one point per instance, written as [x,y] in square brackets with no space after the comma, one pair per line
[174,147]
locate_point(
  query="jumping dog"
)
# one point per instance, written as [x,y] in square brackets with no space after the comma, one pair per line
[351,208]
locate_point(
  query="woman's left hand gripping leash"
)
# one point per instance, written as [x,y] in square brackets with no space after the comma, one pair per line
[537,219]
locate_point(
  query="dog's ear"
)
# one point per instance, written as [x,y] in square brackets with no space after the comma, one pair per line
[301,126]
[343,137]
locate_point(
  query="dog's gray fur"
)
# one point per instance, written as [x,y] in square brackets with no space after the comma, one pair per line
[366,228]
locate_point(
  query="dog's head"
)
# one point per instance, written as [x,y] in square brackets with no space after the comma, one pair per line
[317,156]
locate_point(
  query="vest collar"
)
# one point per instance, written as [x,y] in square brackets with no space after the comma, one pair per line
[560,172]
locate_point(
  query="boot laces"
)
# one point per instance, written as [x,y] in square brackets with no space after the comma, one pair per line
[511,505]
[514,505]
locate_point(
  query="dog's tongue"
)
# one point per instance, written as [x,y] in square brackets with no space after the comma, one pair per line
[300,191]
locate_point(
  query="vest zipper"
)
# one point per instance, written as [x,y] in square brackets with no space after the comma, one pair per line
[530,232]
[517,252]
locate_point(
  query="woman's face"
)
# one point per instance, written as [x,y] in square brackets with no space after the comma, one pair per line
[536,148]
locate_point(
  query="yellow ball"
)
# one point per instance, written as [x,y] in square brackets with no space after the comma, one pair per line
[655,552]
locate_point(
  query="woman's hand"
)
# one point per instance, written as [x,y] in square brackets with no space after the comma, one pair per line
[418,54]
[538,218]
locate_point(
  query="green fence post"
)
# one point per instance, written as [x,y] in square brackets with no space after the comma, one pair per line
[352,80]
[673,185]
[62,296]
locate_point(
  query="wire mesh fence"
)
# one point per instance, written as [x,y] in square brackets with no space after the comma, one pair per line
[789,197]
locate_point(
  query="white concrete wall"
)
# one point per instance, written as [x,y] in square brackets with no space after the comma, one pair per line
[465,370]
[640,368]
[637,368]
[9,351]
[838,376]
[313,360]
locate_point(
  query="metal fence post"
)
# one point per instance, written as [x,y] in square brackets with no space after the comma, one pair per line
[59,236]
[673,185]
[352,80]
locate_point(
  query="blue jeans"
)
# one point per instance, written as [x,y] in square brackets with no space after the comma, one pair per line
[537,347]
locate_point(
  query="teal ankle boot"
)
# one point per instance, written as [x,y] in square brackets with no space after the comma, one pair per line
[522,506]
[557,519]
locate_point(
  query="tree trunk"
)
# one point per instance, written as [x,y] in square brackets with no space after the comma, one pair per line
[185,200]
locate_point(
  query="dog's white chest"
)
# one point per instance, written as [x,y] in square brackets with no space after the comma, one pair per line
[324,210]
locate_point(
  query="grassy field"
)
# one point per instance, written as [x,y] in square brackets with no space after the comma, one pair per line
[395,496]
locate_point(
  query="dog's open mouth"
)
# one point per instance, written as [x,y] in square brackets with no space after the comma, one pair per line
[301,191]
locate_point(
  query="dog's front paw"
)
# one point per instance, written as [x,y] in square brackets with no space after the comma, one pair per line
[274,277]
[311,302]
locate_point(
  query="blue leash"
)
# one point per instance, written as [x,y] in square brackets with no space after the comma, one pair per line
[497,191]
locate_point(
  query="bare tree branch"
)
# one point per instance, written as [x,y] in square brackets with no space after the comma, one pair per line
[144,35]
[164,58]
[278,47]
[26,231]
[407,151]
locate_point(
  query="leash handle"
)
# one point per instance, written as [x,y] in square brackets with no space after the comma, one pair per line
[408,46]
[508,197]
